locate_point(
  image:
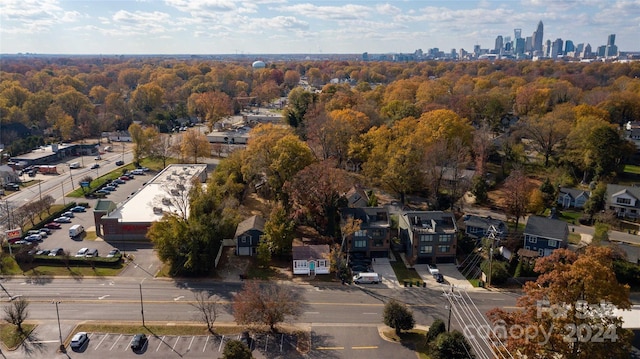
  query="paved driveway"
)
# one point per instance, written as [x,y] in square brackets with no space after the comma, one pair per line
[384,269]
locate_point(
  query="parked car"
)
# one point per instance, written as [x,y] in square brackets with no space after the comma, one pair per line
[119,163]
[33,238]
[79,340]
[53,225]
[91,253]
[46,230]
[245,339]
[62,220]
[11,187]
[43,234]
[119,181]
[82,252]
[102,192]
[56,252]
[125,178]
[42,252]
[67,214]
[439,277]
[94,166]
[78,209]
[137,172]
[21,242]
[112,253]
[109,188]
[138,342]
[143,169]
[33,231]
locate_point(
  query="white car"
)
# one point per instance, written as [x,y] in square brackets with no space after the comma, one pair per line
[62,220]
[82,252]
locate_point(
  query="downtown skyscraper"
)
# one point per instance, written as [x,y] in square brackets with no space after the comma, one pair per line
[538,37]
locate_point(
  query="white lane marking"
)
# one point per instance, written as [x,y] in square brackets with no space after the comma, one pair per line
[116,342]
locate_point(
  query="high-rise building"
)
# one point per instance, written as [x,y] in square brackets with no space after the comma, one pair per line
[611,49]
[556,48]
[569,47]
[528,44]
[538,37]
[517,33]
[580,48]
[587,52]
[547,49]
[520,46]
[499,46]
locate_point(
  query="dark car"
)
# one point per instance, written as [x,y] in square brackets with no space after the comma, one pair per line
[439,277]
[119,163]
[245,339]
[79,340]
[138,342]
[78,209]
[94,166]
[11,187]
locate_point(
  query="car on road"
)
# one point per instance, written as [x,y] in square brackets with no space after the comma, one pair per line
[56,252]
[439,277]
[62,220]
[119,163]
[138,342]
[94,166]
[79,340]
[78,209]
[112,253]
[52,225]
[67,214]
[82,252]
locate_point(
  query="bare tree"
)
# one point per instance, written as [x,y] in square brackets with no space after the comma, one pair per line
[266,303]
[517,190]
[162,148]
[176,196]
[16,312]
[207,308]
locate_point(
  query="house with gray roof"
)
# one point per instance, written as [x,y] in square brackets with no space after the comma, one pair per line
[572,197]
[373,237]
[248,235]
[545,235]
[624,200]
[478,227]
[429,236]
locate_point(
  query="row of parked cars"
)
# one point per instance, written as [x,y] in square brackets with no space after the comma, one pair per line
[81,339]
[38,235]
[112,185]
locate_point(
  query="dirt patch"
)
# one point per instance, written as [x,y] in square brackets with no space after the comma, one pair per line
[231,266]
[253,205]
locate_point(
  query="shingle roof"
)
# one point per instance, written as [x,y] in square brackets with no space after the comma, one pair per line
[546,227]
[482,222]
[573,192]
[253,222]
[616,189]
[313,251]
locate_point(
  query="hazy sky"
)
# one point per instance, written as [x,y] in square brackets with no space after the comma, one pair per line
[290,26]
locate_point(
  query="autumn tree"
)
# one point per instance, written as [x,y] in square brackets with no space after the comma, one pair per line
[397,316]
[147,97]
[314,192]
[546,132]
[212,106]
[266,303]
[572,292]
[195,145]
[517,190]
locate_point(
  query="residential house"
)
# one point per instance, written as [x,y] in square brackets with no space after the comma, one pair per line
[248,235]
[572,197]
[373,237]
[357,197]
[429,236]
[545,235]
[624,200]
[311,259]
[8,175]
[478,227]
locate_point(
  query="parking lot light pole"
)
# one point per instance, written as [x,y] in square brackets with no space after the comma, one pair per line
[141,305]
[59,328]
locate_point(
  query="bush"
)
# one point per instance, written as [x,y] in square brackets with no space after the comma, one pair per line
[499,274]
[398,316]
[436,328]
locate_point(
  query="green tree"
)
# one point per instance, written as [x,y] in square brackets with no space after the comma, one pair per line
[549,193]
[235,349]
[452,345]
[264,254]
[396,315]
[600,233]
[607,147]
[437,327]
[499,271]
[596,201]
[279,231]
[298,103]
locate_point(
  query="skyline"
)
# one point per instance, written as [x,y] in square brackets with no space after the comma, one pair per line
[291,27]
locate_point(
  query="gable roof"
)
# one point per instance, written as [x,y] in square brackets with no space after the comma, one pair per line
[616,190]
[253,222]
[483,222]
[546,227]
[574,192]
[313,251]
[357,197]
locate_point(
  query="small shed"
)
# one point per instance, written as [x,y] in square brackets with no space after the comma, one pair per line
[311,259]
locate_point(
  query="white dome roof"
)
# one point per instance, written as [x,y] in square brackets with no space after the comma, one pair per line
[258,65]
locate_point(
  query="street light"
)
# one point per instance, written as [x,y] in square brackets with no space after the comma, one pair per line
[71,174]
[62,349]
[141,305]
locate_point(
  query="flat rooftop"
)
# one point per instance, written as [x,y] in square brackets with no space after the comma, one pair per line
[167,192]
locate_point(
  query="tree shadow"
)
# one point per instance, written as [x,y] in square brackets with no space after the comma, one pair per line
[322,341]
[39,278]
[162,341]
[32,344]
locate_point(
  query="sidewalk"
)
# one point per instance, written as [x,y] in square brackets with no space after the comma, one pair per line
[451,274]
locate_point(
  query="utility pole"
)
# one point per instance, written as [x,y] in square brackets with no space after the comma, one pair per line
[492,233]
[62,349]
[141,305]
[450,295]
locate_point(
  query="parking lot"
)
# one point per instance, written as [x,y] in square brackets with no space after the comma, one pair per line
[109,345]
[59,238]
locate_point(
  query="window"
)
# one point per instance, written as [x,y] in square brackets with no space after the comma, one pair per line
[359,243]
[360,233]
[527,247]
[445,238]
[322,263]
[541,252]
[378,242]
[532,239]
[244,239]
[623,200]
[300,264]
[552,243]
[426,238]
[377,233]
[443,249]
[426,249]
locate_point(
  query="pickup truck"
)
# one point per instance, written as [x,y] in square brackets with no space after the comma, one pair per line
[433,270]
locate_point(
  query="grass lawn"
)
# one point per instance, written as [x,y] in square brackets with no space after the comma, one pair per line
[405,274]
[574,238]
[10,336]
[571,217]
[73,271]
[632,169]
[157,329]
[414,337]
